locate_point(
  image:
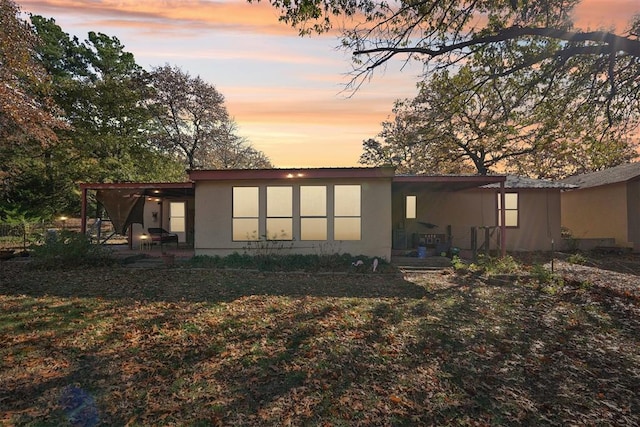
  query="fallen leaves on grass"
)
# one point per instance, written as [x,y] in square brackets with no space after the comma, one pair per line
[209,347]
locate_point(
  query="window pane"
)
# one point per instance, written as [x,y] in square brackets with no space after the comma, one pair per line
[346,229]
[411,207]
[511,200]
[279,201]
[511,218]
[313,229]
[245,229]
[313,201]
[347,200]
[279,229]
[177,225]
[176,209]
[245,202]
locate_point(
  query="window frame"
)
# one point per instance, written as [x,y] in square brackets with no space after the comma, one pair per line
[313,216]
[340,213]
[279,216]
[506,210]
[414,206]
[236,218]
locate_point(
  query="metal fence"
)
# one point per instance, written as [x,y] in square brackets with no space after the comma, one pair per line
[21,236]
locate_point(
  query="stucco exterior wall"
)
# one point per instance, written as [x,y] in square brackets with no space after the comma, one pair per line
[597,213]
[633,215]
[539,217]
[539,221]
[459,210]
[213,218]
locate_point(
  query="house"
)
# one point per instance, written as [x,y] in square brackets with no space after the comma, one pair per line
[604,208]
[367,211]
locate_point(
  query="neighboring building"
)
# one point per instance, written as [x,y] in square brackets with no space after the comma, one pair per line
[362,211]
[604,207]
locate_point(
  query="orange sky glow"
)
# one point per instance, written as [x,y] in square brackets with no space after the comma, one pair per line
[285,92]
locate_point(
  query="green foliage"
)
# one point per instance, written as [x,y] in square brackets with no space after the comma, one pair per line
[577,258]
[67,249]
[490,266]
[543,275]
[458,264]
[293,262]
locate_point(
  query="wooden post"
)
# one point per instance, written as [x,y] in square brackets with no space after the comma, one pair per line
[487,241]
[474,243]
[83,211]
[503,218]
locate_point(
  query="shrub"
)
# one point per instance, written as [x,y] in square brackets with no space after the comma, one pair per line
[293,262]
[577,258]
[70,249]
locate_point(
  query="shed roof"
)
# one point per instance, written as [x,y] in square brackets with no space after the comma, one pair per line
[521,182]
[622,173]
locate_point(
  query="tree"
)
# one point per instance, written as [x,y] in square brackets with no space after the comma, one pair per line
[536,42]
[459,125]
[231,151]
[450,31]
[26,109]
[101,93]
[194,125]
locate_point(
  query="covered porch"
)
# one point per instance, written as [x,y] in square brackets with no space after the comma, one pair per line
[441,216]
[134,208]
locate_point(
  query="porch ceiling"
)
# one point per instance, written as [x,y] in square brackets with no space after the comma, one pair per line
[165,190]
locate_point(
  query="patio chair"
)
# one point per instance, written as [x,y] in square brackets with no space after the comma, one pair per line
[161,236]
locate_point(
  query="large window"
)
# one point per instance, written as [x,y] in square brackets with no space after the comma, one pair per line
[346,212]
[510,210]
[313,212]
[246,212]
[280,213]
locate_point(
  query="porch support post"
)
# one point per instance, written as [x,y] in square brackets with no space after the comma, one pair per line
[503,217]
[83,212]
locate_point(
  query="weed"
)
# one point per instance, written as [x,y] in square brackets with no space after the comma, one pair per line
[293,262]
[458,264]
[577,258]
[541,274]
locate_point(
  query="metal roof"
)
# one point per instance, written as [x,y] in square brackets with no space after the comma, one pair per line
[290,173]
[622,173]
[521,182]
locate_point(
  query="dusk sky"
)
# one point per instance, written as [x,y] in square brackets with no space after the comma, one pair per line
[285,92]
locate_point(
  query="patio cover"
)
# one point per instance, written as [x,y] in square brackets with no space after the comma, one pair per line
[125,207]
[124,202]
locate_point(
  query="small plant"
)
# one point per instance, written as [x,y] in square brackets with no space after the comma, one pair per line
[577,258]
[69,249]
[458,264]
[265,246]
[492,266]
[294,262]
[541,274]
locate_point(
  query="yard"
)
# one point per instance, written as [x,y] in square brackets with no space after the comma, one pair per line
[178,346]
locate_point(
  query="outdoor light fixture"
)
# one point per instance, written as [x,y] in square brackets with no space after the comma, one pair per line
[144,242]
[64,221]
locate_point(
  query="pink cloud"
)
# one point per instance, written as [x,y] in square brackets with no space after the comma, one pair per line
[169,15]
[617,14]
